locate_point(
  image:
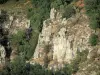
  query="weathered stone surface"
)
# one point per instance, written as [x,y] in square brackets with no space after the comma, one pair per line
[98,52]
[64,37]
[10,24]
[16,23]
[2,55]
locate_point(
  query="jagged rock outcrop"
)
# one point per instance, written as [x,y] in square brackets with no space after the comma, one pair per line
[10,24]
[60,39]
[16,22]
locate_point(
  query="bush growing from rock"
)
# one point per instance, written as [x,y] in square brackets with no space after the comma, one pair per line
[93,11]
[69,11]
[80,58]
[93,40]
[19,67]
[24,47]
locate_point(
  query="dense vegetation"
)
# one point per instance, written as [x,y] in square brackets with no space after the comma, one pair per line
[25,47]
[93,11]
[93,40]
[19,67]
[80,58]
[41,10]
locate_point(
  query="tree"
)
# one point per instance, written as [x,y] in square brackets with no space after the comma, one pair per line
[93,11]
[18,66]
[94,24]
[56,4]
[93,40]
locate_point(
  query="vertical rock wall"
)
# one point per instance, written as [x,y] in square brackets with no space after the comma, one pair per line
[63,38]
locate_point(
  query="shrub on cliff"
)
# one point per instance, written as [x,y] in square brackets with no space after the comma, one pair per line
[92,5]
[19,67]
[94,24]
[57,3]
[39,13]
[41,10]
[24,47]
[80,58]
[69,11]
[93,11]
[93,40]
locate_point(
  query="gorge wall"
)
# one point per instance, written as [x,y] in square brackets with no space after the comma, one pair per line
[10,23]
[60,39]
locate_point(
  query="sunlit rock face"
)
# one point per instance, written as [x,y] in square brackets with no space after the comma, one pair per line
[2,55]
[60,39]
[16,23]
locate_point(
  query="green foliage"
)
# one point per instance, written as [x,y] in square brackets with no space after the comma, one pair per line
[3,16]
[57,3]
[93,11]
[67,70]
[29,12]
[39,13]
[93,40]
[24,47]
[94,24]
[14,68]
[69,11]
[16,38]
[19,67]
[41,10]
[64,6]
[80,58]
[92,4]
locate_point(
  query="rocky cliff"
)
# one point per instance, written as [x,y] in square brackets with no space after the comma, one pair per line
[10,23]
[59,42]
[60,39]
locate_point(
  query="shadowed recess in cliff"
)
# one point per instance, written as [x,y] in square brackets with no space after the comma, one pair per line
[4,41]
